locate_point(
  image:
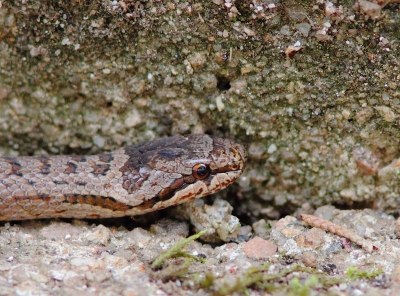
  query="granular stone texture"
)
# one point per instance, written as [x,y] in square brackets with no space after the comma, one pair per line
[53,258]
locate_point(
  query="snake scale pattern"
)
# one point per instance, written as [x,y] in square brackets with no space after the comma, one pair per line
[129,181]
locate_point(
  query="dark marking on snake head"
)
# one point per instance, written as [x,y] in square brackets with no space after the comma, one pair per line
[163,143]
[81,183]
[147,204]
[186,197]
[165,194]
[200,191]
[189,179]
[145,171]
[139,182]
[171,153]
[207,181]
[170,191]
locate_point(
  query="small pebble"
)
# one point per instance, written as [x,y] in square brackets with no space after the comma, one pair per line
[309,259]
[259,248]
[312,238]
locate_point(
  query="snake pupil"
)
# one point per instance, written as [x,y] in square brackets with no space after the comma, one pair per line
[201,171]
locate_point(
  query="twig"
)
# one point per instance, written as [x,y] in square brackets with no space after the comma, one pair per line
[338,230]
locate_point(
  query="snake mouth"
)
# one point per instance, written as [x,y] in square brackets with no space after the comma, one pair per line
[200,188]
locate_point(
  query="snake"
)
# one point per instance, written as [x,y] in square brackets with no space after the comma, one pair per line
[130,181]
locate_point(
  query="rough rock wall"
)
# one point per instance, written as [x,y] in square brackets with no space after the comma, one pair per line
[312,87]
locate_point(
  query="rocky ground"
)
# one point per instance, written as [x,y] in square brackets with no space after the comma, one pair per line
[283,257]
[310,87]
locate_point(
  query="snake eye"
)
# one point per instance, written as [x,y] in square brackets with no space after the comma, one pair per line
[201,171]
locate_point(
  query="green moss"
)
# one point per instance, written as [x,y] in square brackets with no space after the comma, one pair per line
[296,287]
[208,281]
[178,270]
[161,269]
[353,273]
[176,251]
[257,278]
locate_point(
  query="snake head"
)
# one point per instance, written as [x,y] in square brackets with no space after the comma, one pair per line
[172,170]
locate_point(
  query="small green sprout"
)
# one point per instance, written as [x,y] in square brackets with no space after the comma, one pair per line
[176,251]
[353,273]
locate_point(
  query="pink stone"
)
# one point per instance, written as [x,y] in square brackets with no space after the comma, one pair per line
[258,248]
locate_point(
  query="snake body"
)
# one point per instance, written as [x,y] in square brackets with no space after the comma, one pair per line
[129,181]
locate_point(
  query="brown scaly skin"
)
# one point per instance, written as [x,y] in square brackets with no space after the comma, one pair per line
[129,181]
